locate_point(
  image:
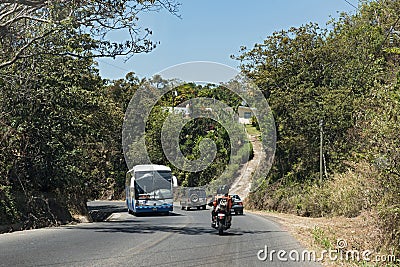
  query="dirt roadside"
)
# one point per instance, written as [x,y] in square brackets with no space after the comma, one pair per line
[241,186]
[359,234]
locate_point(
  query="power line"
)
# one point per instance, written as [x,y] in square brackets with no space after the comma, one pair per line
[351,4]
[112,65]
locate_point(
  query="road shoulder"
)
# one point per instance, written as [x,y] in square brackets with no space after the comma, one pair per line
[324,233]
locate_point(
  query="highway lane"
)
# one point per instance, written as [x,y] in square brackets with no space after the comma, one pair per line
[184,238]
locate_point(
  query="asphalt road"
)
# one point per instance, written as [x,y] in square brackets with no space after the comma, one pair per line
[185,238]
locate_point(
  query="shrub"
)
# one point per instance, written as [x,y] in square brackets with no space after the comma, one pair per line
[8,211]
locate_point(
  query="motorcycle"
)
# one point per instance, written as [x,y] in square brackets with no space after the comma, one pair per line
[222,219]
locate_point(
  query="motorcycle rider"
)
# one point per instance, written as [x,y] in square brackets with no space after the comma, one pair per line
[215,203]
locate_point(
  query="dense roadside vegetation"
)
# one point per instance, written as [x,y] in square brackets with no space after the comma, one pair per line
[60,122]
[61,137]
[228,158]
[346,76]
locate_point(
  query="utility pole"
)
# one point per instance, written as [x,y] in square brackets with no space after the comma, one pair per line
[174,94]
[320,150]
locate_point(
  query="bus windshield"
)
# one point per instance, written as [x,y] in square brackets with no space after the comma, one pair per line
[153,185]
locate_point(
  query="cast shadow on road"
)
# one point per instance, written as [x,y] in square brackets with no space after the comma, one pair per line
[108,208]
[145,228]
[171,214]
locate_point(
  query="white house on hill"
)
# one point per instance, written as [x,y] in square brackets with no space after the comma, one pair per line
[245,114]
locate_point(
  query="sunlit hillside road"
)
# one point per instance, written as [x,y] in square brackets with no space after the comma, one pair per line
[185,238]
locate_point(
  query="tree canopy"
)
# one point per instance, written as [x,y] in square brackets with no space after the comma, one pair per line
[60,122]
[29,28]
[347,76]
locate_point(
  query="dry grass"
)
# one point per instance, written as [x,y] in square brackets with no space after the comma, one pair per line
[251,130]
[360,206]
[361,233]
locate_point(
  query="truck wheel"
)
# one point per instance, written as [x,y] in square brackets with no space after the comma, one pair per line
[194,198]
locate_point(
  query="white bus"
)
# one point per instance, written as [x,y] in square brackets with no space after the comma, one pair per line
[149,189]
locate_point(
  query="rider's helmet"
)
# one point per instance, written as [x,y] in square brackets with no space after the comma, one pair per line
[223,190]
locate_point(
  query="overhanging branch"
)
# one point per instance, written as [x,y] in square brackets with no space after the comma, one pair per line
[22,21]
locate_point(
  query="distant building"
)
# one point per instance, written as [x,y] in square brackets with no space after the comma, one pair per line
[185,111]
[245,114]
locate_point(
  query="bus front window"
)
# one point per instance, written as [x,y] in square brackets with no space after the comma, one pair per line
[153,185]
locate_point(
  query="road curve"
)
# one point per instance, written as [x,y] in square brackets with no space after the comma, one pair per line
[184,238]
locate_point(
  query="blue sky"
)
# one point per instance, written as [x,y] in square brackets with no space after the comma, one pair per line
[212,30]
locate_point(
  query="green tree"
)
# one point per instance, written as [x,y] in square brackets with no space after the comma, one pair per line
[26,24]
[61,137]
[60,122]
[347,77]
